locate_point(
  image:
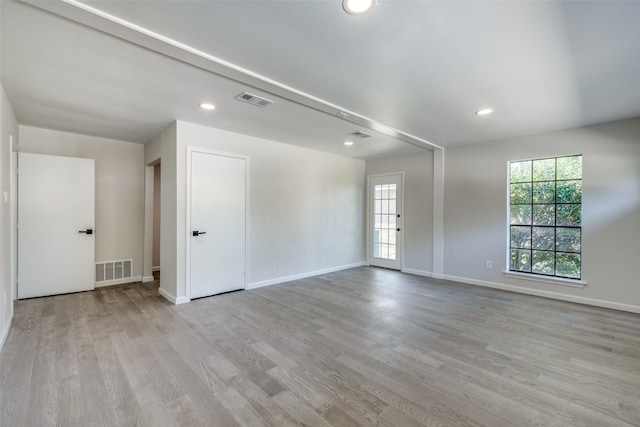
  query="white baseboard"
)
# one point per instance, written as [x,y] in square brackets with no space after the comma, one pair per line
[172,298]
[417,272]
[169,297]
[277,280]
[547,294]
[148,279]
[118,281]
[156,268]
[5,333]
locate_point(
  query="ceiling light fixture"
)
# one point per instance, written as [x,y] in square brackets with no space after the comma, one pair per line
[207,106]
[348,143]
[357,7]
[484,112]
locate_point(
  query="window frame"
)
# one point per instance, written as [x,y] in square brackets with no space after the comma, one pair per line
[537,276]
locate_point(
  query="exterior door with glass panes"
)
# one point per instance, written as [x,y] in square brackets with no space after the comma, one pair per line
[385,221]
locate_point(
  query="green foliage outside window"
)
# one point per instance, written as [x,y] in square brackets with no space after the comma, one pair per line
[545,202]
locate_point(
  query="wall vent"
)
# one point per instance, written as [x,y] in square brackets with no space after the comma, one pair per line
[253,99]
[360,134]
[110,271]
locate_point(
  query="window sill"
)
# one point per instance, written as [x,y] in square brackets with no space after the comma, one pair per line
[544,279]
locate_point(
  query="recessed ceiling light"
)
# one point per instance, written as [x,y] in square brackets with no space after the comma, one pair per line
[357,7]
[207,106]
[484,112]
[348,143]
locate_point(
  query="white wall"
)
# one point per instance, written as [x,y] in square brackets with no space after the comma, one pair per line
[418,207]
[476,212]
[8,127]
[305,211]
[119,188]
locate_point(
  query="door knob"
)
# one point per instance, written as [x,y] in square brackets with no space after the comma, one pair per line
[87,231]
[197,233]
[398,229]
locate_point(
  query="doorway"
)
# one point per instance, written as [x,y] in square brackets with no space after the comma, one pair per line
[384,237]
[155,252]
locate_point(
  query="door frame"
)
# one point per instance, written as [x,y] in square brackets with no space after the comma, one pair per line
[187,267]
[13,207]
[401,224]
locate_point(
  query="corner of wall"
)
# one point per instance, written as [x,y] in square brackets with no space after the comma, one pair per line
[438,214]
[8,128]
[169,227]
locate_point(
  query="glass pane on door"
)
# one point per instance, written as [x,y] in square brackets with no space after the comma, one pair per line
[384,232]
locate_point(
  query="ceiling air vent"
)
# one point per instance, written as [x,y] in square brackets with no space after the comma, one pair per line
[359,134]
[252,99]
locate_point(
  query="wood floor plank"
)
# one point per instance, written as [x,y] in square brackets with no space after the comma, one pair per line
[365,346]
[261,402]
[241,410]
[120,393]
[299,410]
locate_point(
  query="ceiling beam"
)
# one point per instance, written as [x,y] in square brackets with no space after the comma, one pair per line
[99,20]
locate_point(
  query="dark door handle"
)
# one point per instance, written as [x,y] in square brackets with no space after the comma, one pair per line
[87,231]
[398,229]
[197,233]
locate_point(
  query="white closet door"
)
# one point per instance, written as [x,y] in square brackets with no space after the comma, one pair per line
[56,214]
[218,221]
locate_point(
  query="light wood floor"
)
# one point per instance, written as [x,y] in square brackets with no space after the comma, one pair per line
[359,347]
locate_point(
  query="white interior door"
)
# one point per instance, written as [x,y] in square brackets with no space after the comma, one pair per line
[218,224]
[385,221]
[56,214]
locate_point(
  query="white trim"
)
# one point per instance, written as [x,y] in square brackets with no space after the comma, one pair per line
[168,296]
[5,334]
[507,237]
[547,294]
[147,239]
[438,213]
[118,281]
[172,298]
[156,268]
[400,225]
[146,279]
[417,272]
[13,218]
[194,149]
[277,280]
[546,279]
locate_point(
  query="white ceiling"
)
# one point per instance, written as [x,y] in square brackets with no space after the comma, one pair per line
[411,73]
